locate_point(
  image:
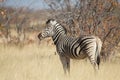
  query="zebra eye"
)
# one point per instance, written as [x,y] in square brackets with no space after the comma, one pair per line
[49,27]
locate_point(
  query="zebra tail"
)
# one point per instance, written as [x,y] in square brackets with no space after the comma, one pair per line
[98,61]
[98,50]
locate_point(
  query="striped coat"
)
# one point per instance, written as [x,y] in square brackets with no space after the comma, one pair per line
[72,48]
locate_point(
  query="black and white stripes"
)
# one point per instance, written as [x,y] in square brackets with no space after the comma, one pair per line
[72,48]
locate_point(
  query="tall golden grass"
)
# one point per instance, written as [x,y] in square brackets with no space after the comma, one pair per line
[39,62]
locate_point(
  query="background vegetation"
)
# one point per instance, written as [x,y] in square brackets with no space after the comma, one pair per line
[23,57]
[95,17]
[38,62]
[80,17]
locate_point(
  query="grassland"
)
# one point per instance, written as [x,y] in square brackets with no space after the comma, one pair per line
[39,62]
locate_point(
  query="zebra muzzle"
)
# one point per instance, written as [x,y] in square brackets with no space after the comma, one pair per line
[40,36]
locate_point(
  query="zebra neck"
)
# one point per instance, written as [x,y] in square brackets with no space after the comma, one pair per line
[60,32]
[57,37]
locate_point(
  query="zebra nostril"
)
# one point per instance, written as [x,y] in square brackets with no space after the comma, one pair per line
[40,36]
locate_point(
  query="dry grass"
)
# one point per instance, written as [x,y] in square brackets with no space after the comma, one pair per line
[38,62]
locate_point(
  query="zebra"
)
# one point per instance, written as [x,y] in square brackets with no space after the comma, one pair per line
[69,47]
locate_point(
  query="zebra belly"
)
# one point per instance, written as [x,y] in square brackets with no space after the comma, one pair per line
[74,52]
[80,56]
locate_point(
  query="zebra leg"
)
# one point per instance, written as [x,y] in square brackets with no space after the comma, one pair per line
[93,62]
[65,63]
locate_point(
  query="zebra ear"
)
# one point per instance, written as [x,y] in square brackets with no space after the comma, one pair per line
[48,21]
[65,30]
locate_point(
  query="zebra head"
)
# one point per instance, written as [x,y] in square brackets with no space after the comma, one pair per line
[48,31]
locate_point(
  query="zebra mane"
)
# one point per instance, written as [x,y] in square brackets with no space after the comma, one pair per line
[48,21]
[64,29]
